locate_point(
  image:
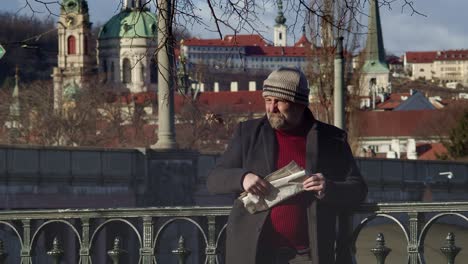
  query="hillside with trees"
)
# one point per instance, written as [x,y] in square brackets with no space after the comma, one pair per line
[31,44]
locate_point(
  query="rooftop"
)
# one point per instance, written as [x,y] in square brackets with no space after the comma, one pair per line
[420,56]
[255,45]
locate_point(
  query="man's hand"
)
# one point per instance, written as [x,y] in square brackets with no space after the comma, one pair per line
[316,182]
[255,185]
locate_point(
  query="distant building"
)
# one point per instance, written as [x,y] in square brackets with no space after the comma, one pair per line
[375,71]
[399,134]
[126,47]
[449,66]
[239,53]
[242,52]
[420,65]
[75,61]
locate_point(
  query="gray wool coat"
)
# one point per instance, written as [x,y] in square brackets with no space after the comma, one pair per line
[254,149]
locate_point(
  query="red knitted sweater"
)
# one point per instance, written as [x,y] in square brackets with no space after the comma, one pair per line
[286,225]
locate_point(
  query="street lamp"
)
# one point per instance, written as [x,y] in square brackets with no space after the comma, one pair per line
[449,176]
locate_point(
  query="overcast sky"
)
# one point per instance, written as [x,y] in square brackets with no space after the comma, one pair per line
[444,26]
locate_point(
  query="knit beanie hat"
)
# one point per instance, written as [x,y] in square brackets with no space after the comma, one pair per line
[289,84]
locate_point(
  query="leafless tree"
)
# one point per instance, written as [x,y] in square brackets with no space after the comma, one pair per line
[326,19]
[231,17]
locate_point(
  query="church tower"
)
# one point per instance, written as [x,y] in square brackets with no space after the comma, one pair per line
[131,4]
[375,72]
[280,29]
[75,61]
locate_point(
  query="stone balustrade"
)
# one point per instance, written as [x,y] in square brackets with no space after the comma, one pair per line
[186,234]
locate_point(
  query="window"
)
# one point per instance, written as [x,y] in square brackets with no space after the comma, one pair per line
[104,66]
[112,70]
[280,36]
[127,71]
[71,45]
[153,71]
[104,70]
[142,73]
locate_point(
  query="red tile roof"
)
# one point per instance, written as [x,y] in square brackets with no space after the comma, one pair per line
[420,56]
[237,102]
[392,102]
[431,56]
[452,55]
[400,123]
[229,40]
[278,51]
[255,45]
[303,42]
[430,151]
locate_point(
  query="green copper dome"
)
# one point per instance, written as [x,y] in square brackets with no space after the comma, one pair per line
[130,24]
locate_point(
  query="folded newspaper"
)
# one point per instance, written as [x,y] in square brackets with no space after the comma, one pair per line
[286,182]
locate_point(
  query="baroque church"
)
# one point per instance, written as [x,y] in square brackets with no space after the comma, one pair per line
[125,60]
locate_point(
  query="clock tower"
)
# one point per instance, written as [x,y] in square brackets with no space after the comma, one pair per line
[75,62]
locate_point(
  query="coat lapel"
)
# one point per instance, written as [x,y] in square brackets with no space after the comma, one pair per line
[312,149]
[270,147]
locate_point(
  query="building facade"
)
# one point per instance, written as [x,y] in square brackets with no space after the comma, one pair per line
[240,53]
[75,62]
[449,67]
[243,52]
[126,49]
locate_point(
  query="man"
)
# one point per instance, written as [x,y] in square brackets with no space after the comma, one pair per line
[301,229]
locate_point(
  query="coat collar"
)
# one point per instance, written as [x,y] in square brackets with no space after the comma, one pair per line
[270,145]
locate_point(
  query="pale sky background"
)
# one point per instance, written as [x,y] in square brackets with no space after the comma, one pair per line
[444,26]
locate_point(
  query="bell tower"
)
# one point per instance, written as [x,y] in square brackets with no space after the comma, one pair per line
[74,30]
[75,61]
[280,30]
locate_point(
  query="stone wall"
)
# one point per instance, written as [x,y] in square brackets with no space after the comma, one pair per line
[39,177]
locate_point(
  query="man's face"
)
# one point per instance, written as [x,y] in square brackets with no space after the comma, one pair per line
[283,114]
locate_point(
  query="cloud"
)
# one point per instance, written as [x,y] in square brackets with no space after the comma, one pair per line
[442,28]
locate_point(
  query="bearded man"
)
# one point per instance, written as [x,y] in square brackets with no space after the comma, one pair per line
[301,229]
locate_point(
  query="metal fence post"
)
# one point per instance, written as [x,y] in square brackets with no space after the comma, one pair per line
[450,250]
[116,252]
[211,246]
[84,250]
[146,252]
[3,253]
[26,247]
[181,251]
[56,252]
[416,221]
[380,251]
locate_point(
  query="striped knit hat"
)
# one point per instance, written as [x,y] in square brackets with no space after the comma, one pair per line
[289,84]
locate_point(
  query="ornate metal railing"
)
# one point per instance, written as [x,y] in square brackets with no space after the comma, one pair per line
[138,235]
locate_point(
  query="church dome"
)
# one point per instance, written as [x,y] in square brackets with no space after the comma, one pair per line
[130,23]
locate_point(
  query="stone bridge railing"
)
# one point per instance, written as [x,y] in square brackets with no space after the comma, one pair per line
[182,234]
